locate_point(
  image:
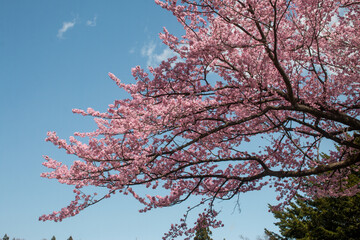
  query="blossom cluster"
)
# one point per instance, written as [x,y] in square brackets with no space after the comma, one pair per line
[254,91]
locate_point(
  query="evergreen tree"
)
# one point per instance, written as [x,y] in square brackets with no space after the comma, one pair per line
[322,218]
[6,237]
[70,238]
[202,232]
[328,218]
[53,238]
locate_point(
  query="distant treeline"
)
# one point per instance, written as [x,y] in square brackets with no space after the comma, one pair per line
[6,237]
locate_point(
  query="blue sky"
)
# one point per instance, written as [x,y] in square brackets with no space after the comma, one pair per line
[55,56]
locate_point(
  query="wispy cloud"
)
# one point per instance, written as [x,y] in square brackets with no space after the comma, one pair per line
[166,53]
[153,58]
[91,23]
[132,50]
[148,49]
[65,27]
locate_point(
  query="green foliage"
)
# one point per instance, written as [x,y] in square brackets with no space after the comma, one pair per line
[5,237]
[322,218]
[53,238]
[203,233]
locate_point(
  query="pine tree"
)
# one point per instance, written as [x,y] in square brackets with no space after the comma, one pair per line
[203,232]
[6,237]
[53,238]
[322,218]
[70,238]
[328,218]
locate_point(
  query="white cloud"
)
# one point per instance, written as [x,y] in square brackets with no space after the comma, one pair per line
[148,49]
[65,27]
[132,50]
[154,59]
[91,23]
[166,53]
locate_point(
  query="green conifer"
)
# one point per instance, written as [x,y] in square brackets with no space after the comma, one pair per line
[322,218]
[202,232]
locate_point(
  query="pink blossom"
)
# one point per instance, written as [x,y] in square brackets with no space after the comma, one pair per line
[287,78]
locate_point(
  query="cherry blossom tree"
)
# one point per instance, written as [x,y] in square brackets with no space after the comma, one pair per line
[254,91]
